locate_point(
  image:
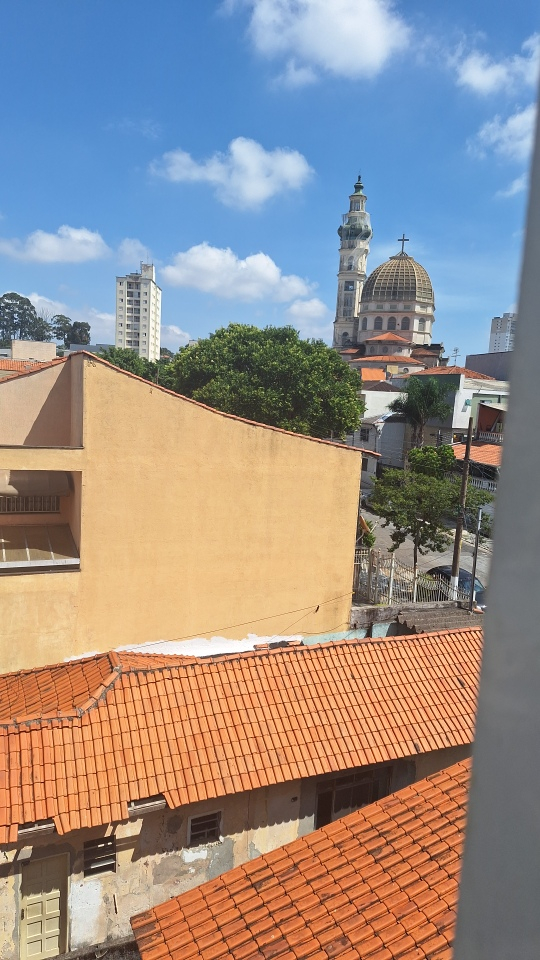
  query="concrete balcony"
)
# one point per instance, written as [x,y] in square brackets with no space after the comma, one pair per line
[486,437]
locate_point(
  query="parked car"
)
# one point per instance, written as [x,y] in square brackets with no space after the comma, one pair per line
[464,582]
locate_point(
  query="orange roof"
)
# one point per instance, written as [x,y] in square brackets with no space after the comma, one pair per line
[393,337]
[80,740]
[437,371]
[367,374]
[390,358]
[22,365]
[377,884]
[489,454]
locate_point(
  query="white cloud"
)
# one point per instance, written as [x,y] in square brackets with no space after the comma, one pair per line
[220,272]
[510,138]
[132,252]
[519,185]
[308,317]
[101,323]
[348,38]
[67,245]
[246,176]
[173,337]
[481,73]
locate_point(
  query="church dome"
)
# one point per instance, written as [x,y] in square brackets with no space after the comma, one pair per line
[400,278]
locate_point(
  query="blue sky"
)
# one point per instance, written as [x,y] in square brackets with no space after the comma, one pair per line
[224,138]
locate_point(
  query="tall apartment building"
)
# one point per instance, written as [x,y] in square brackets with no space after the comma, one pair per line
[503,329]
[138,312]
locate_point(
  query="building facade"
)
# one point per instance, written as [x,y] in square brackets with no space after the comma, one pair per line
[503,329]
[130,514]
[138,312]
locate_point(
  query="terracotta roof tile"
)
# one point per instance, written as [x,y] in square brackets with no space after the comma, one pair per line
[374,920]
[489,454]
[306,711]
[393,337]
[390,358]
[456,371]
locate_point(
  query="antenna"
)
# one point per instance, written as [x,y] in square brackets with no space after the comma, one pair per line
[455,355]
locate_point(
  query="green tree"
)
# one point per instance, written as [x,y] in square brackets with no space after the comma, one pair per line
[69,332]
[272,376]
[425,398]
[155,372]
[420,502]
[19,320]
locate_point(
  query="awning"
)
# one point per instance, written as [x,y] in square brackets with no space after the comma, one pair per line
[34,483]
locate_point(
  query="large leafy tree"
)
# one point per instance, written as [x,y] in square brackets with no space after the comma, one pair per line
[155,372]
[272,376]
[69,331]
[19,320]
[425,398]
[420,502]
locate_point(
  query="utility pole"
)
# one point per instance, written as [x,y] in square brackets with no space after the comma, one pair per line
[475,557]
[461,512]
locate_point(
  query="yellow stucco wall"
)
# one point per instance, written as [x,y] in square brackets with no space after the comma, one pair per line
[192,524]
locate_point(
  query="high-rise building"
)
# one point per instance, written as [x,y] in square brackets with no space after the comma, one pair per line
[138,312]
[503,329]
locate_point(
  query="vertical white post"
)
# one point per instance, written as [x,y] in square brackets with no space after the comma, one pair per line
[392,570]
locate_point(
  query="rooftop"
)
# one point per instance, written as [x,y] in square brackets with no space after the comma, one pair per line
[80,740]
[389,337]
[488,454]
[390,358]
[456,371]
[367,374]
[381,883]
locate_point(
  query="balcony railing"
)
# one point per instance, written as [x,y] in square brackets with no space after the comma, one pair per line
[483,484]
[486,437]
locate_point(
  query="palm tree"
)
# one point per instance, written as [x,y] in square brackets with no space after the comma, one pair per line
[424,399]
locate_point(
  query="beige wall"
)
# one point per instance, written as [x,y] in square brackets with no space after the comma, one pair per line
[192,523]
[35,409]
[32,350]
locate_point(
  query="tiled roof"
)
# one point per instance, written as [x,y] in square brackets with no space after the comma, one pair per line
[393,337]
[367,374]
[489,454]
[390,358]
[22,366]
[381,883]
[86,737]
[456,371]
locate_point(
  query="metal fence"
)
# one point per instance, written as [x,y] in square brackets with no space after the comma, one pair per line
[381,578]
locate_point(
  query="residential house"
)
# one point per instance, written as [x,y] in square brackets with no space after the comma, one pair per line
[131,514]
[379,883]
[467,390]
[381,431]
[484,463]
[129,778]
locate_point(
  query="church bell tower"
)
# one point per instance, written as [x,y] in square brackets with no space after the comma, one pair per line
[355,234]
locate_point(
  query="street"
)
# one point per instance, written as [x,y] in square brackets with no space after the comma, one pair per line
[405,552]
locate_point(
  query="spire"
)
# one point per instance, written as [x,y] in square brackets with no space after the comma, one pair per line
[359,186]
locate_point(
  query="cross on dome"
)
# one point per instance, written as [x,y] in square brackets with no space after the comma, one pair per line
[403,240]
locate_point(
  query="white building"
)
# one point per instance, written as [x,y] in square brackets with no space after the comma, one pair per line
[138,312]
[503,329]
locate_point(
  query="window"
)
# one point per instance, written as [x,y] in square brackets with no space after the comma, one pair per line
[421,324]
[342,795]
[204,829]
[405,323]
[364,323]
[391,325]
[99,856]
[364,434]
[372,349]
[356,205]
[349,285]
[378,323]
[344,339]
[385,348]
